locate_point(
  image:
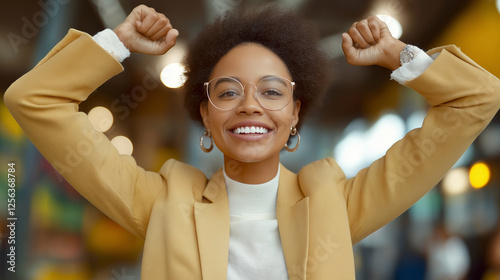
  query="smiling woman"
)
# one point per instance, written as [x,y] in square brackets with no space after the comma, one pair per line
[250,79]
[249,63]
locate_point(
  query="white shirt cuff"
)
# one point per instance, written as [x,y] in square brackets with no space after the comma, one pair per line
[409,71]
[109,41]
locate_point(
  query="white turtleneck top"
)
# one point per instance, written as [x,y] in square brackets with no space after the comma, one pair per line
[255,250]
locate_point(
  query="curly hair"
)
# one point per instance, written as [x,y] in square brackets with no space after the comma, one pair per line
[289,36]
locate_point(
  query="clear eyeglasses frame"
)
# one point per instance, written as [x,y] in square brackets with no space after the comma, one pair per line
[272,92]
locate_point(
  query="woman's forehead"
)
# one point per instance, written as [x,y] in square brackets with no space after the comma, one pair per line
[250,61]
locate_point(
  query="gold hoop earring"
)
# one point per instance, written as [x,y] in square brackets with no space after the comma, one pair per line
[208,134]
[293,131]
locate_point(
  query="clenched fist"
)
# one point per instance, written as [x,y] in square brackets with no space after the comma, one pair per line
[147,31]
[369,42]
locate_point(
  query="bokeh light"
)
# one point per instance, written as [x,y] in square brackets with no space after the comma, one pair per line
[362,145]
[8,122]
[479,175]
[456,181]
[394,26]
[172,75]
[101,118]
[123,145]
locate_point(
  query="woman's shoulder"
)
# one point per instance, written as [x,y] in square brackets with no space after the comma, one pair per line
[320,173]
[328,165]
[177,173]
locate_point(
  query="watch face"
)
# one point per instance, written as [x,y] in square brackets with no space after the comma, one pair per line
[406,55]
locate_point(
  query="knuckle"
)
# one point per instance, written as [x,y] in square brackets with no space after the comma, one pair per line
[163,20]
[372,24]
[363,24]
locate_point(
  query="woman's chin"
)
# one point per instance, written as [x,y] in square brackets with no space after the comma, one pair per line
[252,154]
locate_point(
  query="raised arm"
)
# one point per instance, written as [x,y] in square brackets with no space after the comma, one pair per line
[463,98]
[45,103]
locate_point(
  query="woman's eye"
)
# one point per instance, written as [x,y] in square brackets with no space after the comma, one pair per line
[229,93]
[272,93]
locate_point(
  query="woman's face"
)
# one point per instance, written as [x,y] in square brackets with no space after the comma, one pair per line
[249,63]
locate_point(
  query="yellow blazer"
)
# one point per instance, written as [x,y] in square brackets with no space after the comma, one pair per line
[184,217]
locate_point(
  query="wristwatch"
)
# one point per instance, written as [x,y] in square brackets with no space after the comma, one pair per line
[407,55]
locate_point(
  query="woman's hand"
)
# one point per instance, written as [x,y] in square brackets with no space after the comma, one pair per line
[147,31]
[369,42]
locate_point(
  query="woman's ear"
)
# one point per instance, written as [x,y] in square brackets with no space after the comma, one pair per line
[296,110]
[204,114]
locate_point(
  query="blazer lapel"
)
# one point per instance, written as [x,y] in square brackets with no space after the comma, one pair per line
[292,210]
[212,228]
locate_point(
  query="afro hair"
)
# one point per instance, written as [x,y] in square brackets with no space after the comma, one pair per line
[289,36]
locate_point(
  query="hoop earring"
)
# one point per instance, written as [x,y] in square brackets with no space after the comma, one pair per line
[208,134]
[293,131]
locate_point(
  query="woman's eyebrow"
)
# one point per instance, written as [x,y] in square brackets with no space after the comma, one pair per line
[267,77]
[225,79]
[272,77]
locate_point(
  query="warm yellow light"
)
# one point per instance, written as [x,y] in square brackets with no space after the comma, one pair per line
[123,145]
[101,118]
[8,122]
[172,75]
[456,181]
[479,175]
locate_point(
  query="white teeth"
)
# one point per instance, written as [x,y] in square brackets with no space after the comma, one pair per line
[250,129]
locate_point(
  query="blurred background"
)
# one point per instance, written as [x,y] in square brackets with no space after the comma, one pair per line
[451,233]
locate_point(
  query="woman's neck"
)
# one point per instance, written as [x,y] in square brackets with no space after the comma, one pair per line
[251,172]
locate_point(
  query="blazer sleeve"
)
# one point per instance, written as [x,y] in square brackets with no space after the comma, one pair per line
[463,98]
[45,104]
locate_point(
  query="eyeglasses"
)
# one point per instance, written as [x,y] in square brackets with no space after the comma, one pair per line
[272,93]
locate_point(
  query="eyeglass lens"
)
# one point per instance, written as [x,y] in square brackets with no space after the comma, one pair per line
[273,93]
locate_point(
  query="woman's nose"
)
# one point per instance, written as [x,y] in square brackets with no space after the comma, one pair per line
[250,104]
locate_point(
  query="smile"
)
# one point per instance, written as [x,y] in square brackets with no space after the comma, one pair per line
[250,130]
